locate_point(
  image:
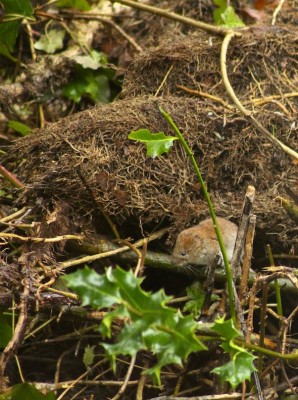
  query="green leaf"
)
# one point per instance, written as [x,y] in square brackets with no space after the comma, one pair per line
[226,329]
[5,328]
[85,81]
[88,356]
[197,295]
[95,290]
[221,4]
[25,391]
[51,41]
[94,60]
[81,5]
[230,19]
[23,8]
[23,129]
[156,143]
[226,16]
[15,12]
[149,323]
[8,35]
[237,370]
[241,365]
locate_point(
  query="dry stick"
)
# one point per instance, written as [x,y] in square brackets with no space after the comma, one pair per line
[19,331]
[235,266]
[265,289]
[242,231]
[276,11]
[14,215]
[94,257]
[126,380]
[138,253]
[40,239]
[206,95]
[247,258]
[79,15]
[163,81]
[242,109]
[176,17]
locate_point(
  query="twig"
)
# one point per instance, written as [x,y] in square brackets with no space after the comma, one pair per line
[19,331]
[176,17]
[40,239]
[136,251]
[126,380]
[247,257]
[11,178]
[242,231]
[13,216]
[164,80]
[242,109]
[207,95]
[90,16]
[105,254]
[276,11]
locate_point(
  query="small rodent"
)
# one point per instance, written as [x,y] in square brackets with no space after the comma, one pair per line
[199,244]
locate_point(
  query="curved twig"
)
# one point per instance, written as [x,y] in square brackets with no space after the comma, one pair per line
[242,109]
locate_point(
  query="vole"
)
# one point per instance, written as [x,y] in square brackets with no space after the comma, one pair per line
[199,244]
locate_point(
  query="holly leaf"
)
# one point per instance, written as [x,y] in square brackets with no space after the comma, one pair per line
[226,329]
[25,391]
[156,143]
[95,290]
[149,323]
[51,41]
[238,369]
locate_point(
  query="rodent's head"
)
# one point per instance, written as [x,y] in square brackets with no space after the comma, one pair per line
[188,248]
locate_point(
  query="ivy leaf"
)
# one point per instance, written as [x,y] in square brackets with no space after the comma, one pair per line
[156,143]
[238,369]
[51,41]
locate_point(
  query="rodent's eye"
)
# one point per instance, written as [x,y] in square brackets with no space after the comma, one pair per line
[183,253]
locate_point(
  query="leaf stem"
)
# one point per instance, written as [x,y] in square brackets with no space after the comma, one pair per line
[212,213]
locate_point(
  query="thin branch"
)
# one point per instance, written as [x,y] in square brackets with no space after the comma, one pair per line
[176,17]
[242,109]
